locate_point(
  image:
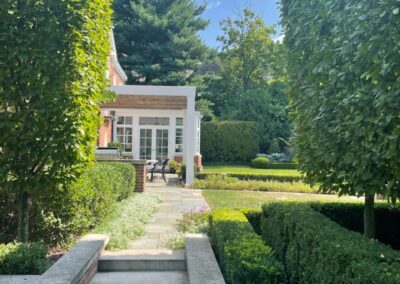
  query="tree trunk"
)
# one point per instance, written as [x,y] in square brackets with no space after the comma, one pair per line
[23,216]
[369,216]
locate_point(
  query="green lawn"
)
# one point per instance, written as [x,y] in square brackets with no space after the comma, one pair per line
[248,170]
[250,199]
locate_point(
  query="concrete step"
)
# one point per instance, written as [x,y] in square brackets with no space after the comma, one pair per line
[150,277]
[142,260]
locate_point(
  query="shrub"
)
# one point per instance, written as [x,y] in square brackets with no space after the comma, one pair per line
[23,258]
[242,255]
[221,182]
[260,163]
[315,249]
[350,216]
[173,165]
[252,177]
[57,214]
[229,141]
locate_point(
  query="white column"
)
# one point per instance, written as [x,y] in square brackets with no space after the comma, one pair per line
[136,138]
[190,138]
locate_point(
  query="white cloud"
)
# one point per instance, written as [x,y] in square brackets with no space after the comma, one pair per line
[213,5]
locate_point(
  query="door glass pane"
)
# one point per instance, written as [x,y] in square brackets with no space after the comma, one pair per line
[145,144]
[162,144]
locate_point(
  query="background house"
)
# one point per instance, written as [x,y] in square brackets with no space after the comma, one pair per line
[151,122]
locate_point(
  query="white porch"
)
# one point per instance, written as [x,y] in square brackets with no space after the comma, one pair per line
[155,123]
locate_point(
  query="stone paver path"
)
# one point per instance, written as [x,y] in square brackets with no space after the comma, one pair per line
[162,228]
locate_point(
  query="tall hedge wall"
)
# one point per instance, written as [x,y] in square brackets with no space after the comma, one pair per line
[229,141]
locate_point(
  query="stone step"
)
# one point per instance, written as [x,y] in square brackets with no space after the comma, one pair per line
[142,260]
[142,277]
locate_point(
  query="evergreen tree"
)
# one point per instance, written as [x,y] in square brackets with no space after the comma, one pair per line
[158,41]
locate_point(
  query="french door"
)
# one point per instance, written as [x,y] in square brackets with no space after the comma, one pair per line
[153,143]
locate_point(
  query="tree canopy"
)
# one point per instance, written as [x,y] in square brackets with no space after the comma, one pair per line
[250,81]
[344,68]
[158,41]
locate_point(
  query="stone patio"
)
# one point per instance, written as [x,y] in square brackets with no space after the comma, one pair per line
[175,201]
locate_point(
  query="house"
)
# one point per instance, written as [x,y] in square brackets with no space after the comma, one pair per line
[151,122]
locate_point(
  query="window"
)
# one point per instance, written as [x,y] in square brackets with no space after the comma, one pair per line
[125,133]
[179,121]
[154,121]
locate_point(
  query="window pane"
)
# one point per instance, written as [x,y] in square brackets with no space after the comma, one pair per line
[179,121]
[128,120]
[154,121]
[128,131]
[120,120]
[120,131]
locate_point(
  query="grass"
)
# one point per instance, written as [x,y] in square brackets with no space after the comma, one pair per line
[248,170]
[127,220]
[249,199]
[230,183]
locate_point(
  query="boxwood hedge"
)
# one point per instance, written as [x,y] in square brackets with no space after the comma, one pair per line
[27,258]
[350,216]
[57,214]
[315,249]
[252,177]
[242,255]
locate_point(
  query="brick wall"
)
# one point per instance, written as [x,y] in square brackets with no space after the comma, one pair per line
[115,78]
[141,176]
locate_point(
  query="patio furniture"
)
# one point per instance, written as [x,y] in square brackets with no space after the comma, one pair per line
[159,168]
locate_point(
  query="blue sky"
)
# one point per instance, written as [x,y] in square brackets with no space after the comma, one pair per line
[217,10]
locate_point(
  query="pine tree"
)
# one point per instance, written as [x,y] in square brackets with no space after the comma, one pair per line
[157,41]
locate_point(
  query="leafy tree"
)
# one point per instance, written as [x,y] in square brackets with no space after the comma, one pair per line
[247,50]
[158,41]
[205,107]
[268,108]
[52,75]
[344,68]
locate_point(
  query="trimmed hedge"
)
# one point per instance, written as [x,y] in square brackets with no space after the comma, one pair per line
[350,216]
[57,214]
[19,258]
[242,255]
[252,177]
[315,249]
[282,166]
[254,218]
[229,141]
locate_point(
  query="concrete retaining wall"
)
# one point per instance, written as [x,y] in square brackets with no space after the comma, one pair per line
[77,266]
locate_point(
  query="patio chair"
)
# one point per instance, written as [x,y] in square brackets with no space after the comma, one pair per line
[159,168]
